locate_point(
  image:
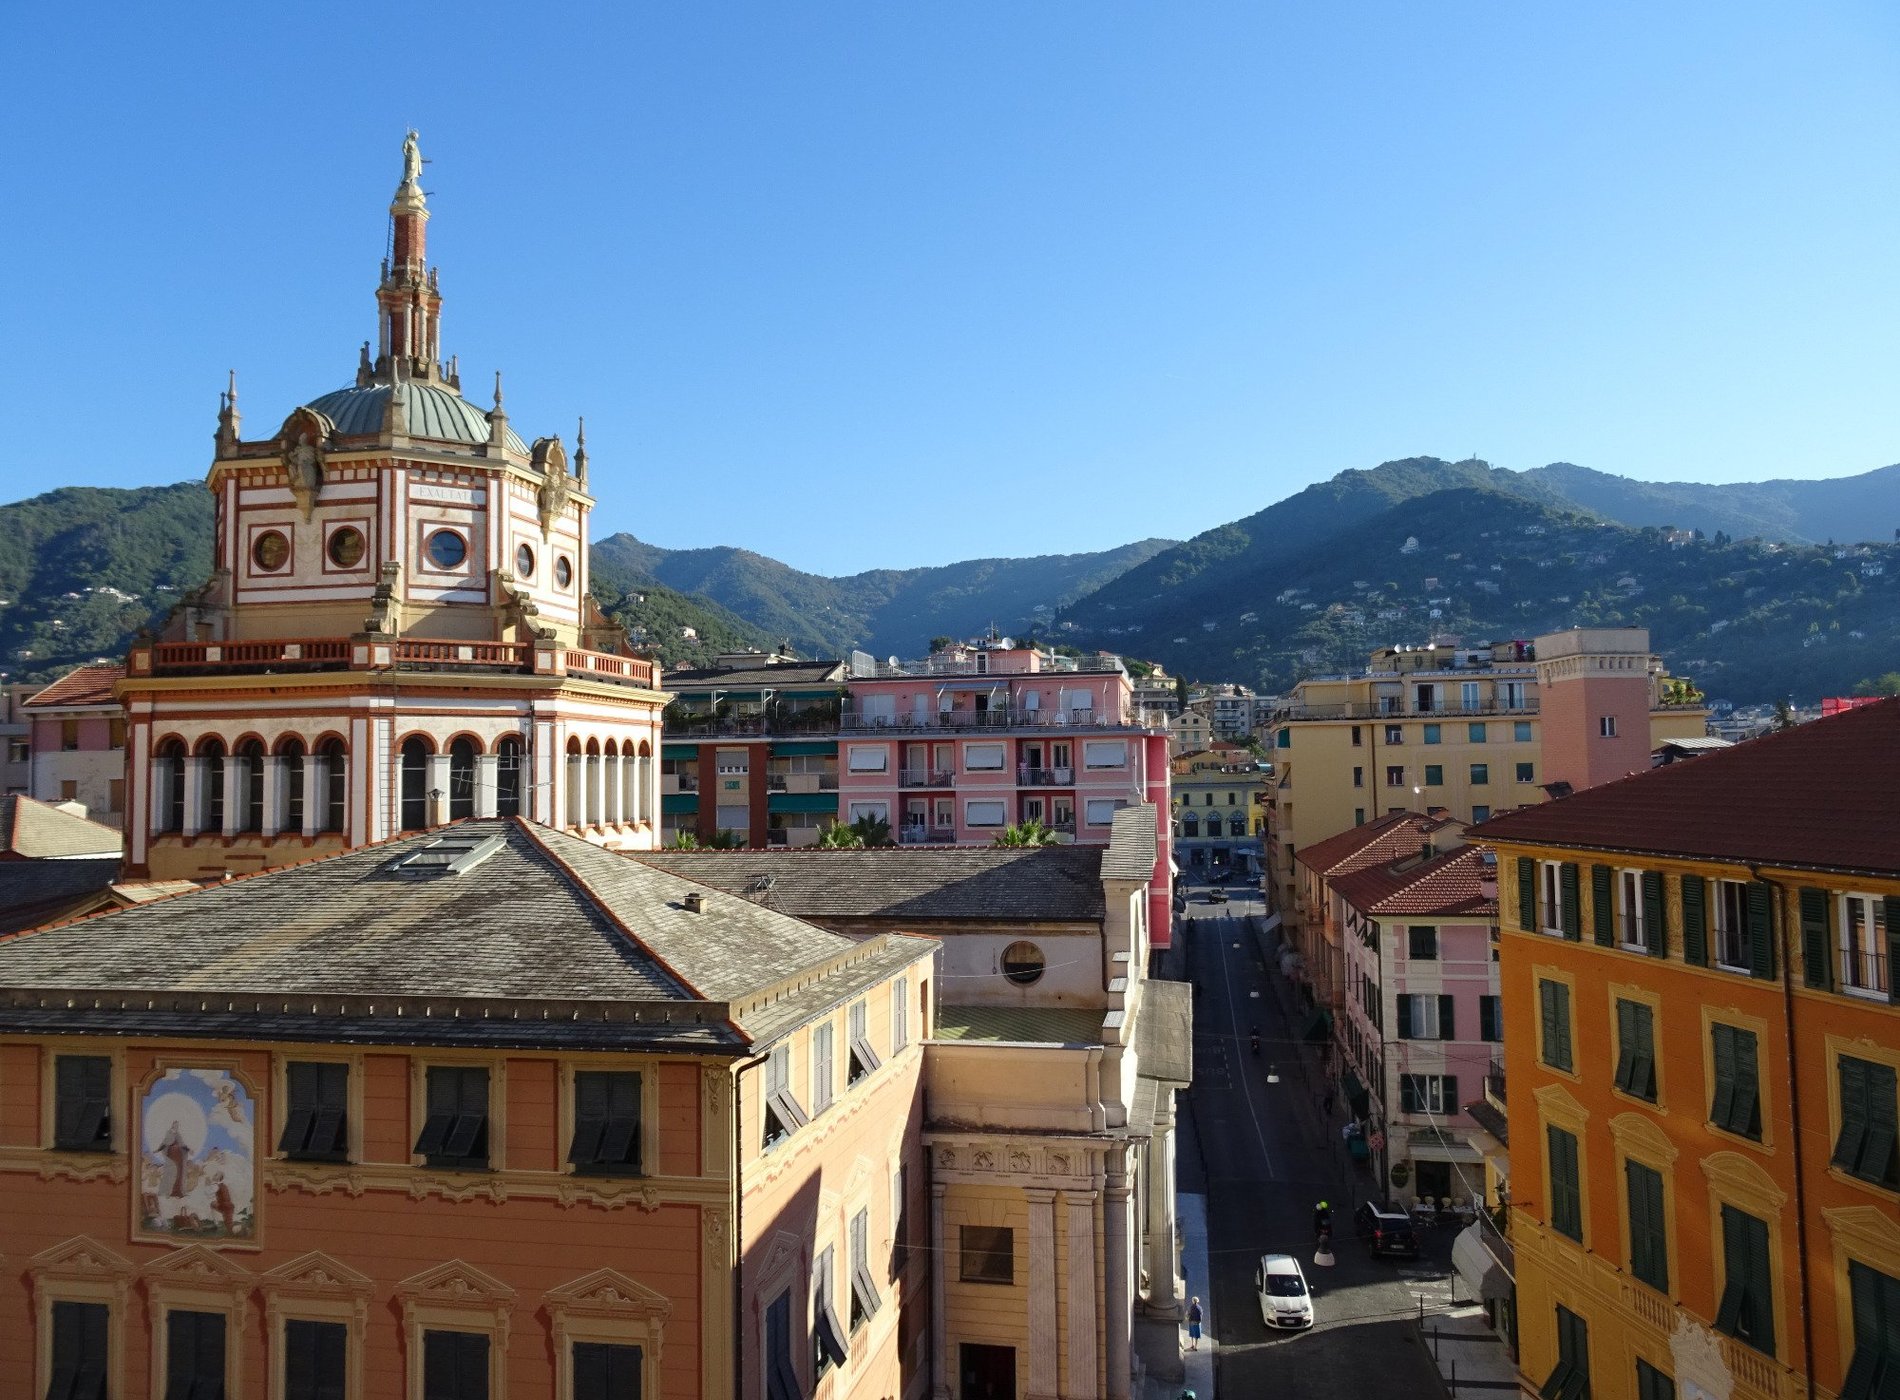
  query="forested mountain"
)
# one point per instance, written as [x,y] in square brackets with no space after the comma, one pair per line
[1848,509]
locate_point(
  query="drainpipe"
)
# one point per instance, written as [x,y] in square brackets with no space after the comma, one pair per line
[1794,1124]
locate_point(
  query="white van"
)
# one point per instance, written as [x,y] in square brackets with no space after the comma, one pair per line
[1285,1300]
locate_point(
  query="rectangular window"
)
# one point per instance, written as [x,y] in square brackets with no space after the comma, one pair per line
[823,1060]
[1491,1018]
[1359,816]
[194,1355]
[1747,1309]
[1566,1189]
[1395,776]
[1731,925]
[1554,1004]
[868,758]
[1636,1049]
[1426,1016]
[1434,775]
[1876,1312]
[1468,695]
[1475,733]
[1652,1384]
[1480,774]
[1421,941]
[1736,1106]
[781,1376]
[69,735]
[985,813]
[606,1122]
[827,1333]
[1865,1147]
[82,1103]
[783,1113]
[900,1014]
[1561,907]
[605,1371]
[1480,814]
[454,1366]
[863,1057]
[1521,730]
[982,758]
[1358,777]
[1629,909]
[1866,928]
[864,1295]
[1432,734]
[1527,772]
[81,1343]
[1104,753]
[868,811]
[455,1133]
[316,1127]
[1649,1239]
[986,1254]
[316,1357]
[1428,1093]
[1358,740]
[1394,734]
[1100,811]
[1606,727]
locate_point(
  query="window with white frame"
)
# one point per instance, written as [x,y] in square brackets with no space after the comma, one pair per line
[869,758]
[1863,927]
[1552,904]
[1731,925]
[873,811]
[1428,1093]
[982,758]
[1105,753]
[900,1014]
[1606,727]
[1629,898]
[1100,811]
[823,1058]
[984,813]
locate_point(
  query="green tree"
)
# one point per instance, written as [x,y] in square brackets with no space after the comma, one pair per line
[1784,715]
[1029,833]
[865,831]
[939,643]
[685,841]
[1889,684]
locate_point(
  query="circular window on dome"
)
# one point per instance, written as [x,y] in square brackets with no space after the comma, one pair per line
[346,547]
[447,549]
[524,562]
[270,551]
[1023,963]
[563,572]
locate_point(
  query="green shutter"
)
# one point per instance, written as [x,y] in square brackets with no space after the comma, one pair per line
[1568,883]
[1405,1017]
[1722,1055]
[1625,1043]
[1853,1134]
[1695,921]
[1566,1202]
[1761,1290]
[1649,1258]
[1602,907]
[1877,1157]
[1527,894]
[1447,1018]
[1761,930]
[1644,1021]
[1893,947]
[1815,943]
[1655,915]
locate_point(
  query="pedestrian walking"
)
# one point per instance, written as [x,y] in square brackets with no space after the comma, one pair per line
[1194,1324]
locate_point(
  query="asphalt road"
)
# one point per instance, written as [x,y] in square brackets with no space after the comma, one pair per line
[1264,1161]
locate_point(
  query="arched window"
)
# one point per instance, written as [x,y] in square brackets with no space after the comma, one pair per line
[336,784]
[415,784]
[250,756]
[1237,825]
[291,756]
[211,774]
[508,777]
[1190,824]
[461,779]
[171,785]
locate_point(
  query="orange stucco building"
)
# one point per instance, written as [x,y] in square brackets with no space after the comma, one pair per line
[1702,1047]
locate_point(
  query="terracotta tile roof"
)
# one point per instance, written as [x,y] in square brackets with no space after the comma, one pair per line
[35,830]
[83,685]
[1450,885]
[1824,796]
[1388,838]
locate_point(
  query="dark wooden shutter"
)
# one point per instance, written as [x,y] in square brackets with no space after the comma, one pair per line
[1747,1084]
[1761,1291]
[454,1366]
[194,1355]
[1695,921]
[315,1358]
[1568,882]
[1449,1089]
[1877,1157]
[1761,930]
[1853,1134]
[1405,1017]
[1893,947]
[1655,915]
[1527,895]
[590,1121]
[1722,1055]
[1447,1019]
[1602,906]
[1547,1012]
[1625,1044]
[606,1371]
[1487,1018]
[1816,946]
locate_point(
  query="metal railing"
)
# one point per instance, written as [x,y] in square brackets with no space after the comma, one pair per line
[990,721]
[945,666]
[1045,777]
[378,653]
[688,725]
[1362,710]
[925,778]
[925,835]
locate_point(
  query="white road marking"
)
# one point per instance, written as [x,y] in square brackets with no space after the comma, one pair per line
[1245,1087]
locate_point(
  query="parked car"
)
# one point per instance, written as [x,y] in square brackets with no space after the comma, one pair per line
[1284,1298]
[1217,896]
[1385,1231]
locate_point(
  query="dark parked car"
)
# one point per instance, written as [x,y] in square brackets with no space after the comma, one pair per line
[1217,896]
[1385,1231]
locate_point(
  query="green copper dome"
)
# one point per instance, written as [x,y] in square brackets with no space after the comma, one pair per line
[435,413]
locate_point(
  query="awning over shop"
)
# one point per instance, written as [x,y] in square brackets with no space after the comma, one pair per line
[679,803]
[1356,1097]
[677,751]
[802,802]
[1484,1261]
[788,748]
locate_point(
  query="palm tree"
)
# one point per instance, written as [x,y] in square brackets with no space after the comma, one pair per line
[1029,833]
[836,836]
[685,841]
[725,840]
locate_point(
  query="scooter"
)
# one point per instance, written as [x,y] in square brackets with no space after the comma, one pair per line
[1254,1039]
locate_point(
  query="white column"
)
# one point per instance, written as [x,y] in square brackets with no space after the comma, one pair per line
[1117,1276]
[1081,1380]
[576,789]
[944,1361]
[276,793]
[1044,1344]
[596,789]
[612,787]
[316,787]
[235,771]
[437,781]
[651,779]
[1164,1296]
[629,787]
[487,769]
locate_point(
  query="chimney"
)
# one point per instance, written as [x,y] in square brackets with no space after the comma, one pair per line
[693,903]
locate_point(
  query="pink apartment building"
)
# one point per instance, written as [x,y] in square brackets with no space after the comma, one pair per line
[77,741]
[956,746]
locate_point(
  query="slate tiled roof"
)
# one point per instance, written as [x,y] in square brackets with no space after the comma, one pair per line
[1447,886]
[1822,796]
[34,892]
[1055,883]
[542,918]
[1388,838]
[83,685]
[35,830]
[1132,844]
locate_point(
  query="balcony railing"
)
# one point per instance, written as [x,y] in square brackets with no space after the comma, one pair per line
[671,783]
[945,666]
[301,655]
[925,778]
[926,835]
[981,721]
[1045,777]
[687,725]
[1399,710]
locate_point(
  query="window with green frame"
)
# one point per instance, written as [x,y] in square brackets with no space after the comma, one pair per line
[1554,1003]
[1736,1105]
[1570,1378]
[1480,774]
[1866,1147]
[1874,1373]
[1434,775]
[1566,1187]
[1636,1049]
[1649,1236]
[1521,731]
[1747,1309]
[1474,733]
[1431,734]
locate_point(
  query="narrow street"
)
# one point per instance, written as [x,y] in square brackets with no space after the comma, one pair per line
[1265,1160]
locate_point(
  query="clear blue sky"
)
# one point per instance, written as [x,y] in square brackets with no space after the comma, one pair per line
[859,284]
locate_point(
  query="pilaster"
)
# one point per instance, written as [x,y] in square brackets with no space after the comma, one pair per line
[1081,1382]
[487,769]
[943,1364]
[1044,1343]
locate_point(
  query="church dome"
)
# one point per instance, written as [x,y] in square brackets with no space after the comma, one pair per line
[434,413]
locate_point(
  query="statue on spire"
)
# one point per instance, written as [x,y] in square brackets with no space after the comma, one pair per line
[411,160]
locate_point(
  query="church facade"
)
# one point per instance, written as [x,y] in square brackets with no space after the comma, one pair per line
[397,631]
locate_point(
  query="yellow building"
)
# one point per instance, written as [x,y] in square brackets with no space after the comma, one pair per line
[1702,1049]
[1219,807]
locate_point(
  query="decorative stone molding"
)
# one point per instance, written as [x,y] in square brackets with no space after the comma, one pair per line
[80,1259]
[200,1280]
[66,1166]
[1742,1180]
[1638,1136]
[419,1183]
[79,1270]
[459,1296]
[314,1287]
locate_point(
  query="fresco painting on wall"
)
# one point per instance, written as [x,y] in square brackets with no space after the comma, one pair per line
[196,1176]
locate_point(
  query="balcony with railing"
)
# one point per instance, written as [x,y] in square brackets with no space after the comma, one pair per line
[911,834]
[1396,708]
[305,655]
[1045,777]
[685,721]
[998,720]
[925,778]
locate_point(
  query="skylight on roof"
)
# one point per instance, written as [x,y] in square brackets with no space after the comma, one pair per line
[453,854]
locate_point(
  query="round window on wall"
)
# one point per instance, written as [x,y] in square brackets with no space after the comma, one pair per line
[346,547]
[524,562]
[447,549]
[563,572]
[270,551]
[1023,963]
